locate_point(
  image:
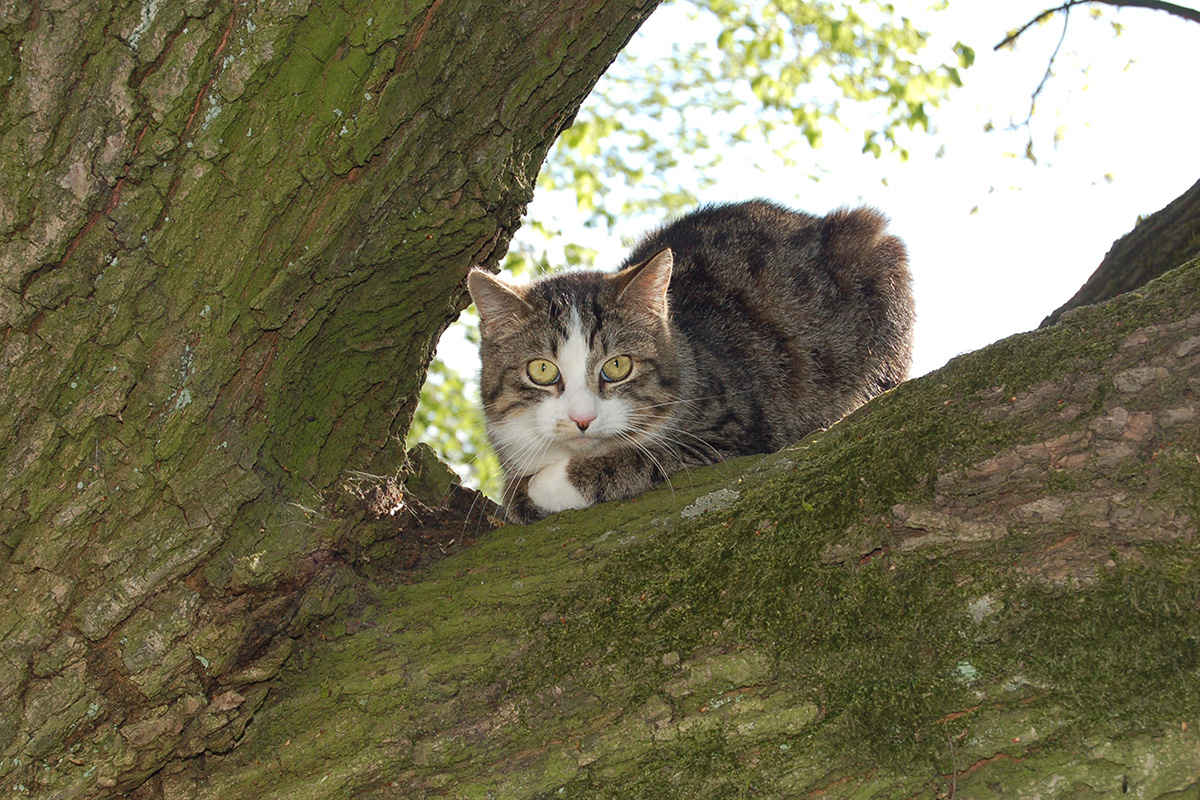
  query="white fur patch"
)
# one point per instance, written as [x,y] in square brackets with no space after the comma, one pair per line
[556,417]
[552,491]
[573,358]
[522,446]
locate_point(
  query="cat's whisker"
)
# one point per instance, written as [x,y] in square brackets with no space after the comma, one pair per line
[702,456]
[527,457]
[690,400]
[664,427]
[650,455]
[658,432]
[660,439]
[661,436]
[535,447]
[474,501]
[656,436]
[482,518]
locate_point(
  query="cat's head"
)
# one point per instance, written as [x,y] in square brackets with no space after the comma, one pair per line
[575,364]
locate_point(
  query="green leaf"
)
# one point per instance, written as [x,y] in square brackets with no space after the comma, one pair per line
[799,60]
[966,55]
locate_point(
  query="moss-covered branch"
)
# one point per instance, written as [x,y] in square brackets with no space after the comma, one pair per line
[983,583]
[1160,242]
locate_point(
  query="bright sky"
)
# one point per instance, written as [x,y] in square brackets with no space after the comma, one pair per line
[1126,110]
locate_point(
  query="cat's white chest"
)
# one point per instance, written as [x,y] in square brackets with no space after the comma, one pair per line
[551,489]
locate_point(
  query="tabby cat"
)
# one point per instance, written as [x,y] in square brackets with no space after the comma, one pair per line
[736,329]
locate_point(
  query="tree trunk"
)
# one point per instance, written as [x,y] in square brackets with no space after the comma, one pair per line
[984,583]
[1160,242]
[230,233]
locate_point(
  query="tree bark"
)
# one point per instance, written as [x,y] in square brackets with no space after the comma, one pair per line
[984,583]
[1164,240]
[230,233]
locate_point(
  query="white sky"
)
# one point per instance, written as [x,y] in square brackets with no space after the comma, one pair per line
[1040,230]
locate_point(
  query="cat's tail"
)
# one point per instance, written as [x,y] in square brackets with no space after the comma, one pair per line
[871,269]
[858,247]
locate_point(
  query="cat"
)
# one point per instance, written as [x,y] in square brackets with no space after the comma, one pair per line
[733,330]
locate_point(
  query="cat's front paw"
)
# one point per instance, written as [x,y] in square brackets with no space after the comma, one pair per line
[552,491]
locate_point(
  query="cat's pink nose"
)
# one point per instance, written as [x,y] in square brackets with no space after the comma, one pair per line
[582,421]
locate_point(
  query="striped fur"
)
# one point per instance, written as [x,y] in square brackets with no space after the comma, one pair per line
[749,326]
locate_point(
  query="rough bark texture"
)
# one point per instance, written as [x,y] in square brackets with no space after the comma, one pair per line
[230,233]
[982,584]
[1160,242]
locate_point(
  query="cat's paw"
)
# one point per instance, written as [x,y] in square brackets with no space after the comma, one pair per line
[552,491]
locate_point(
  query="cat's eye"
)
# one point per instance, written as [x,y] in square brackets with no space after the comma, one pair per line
[616,369]
[542,372]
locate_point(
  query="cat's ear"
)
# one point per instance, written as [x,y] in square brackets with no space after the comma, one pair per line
[500,304]
[644,286]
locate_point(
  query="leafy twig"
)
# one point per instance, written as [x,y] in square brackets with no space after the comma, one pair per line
[1049,67]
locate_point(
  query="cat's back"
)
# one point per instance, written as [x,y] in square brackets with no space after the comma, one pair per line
[751,229]
[774,254]
[795,319]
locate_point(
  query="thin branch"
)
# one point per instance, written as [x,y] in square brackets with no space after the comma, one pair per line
[1049,70]
[1033,98]
[1157,5]
[1012,37]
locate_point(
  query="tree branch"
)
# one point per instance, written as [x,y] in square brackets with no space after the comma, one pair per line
[1157,5]
[1160,242]
[1046,77]
[955,564]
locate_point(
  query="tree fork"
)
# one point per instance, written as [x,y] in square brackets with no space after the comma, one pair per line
[230,235]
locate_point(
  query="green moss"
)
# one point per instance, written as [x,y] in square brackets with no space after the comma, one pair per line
[1179,470]
[881,646]
[876,646]
[1122,655]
